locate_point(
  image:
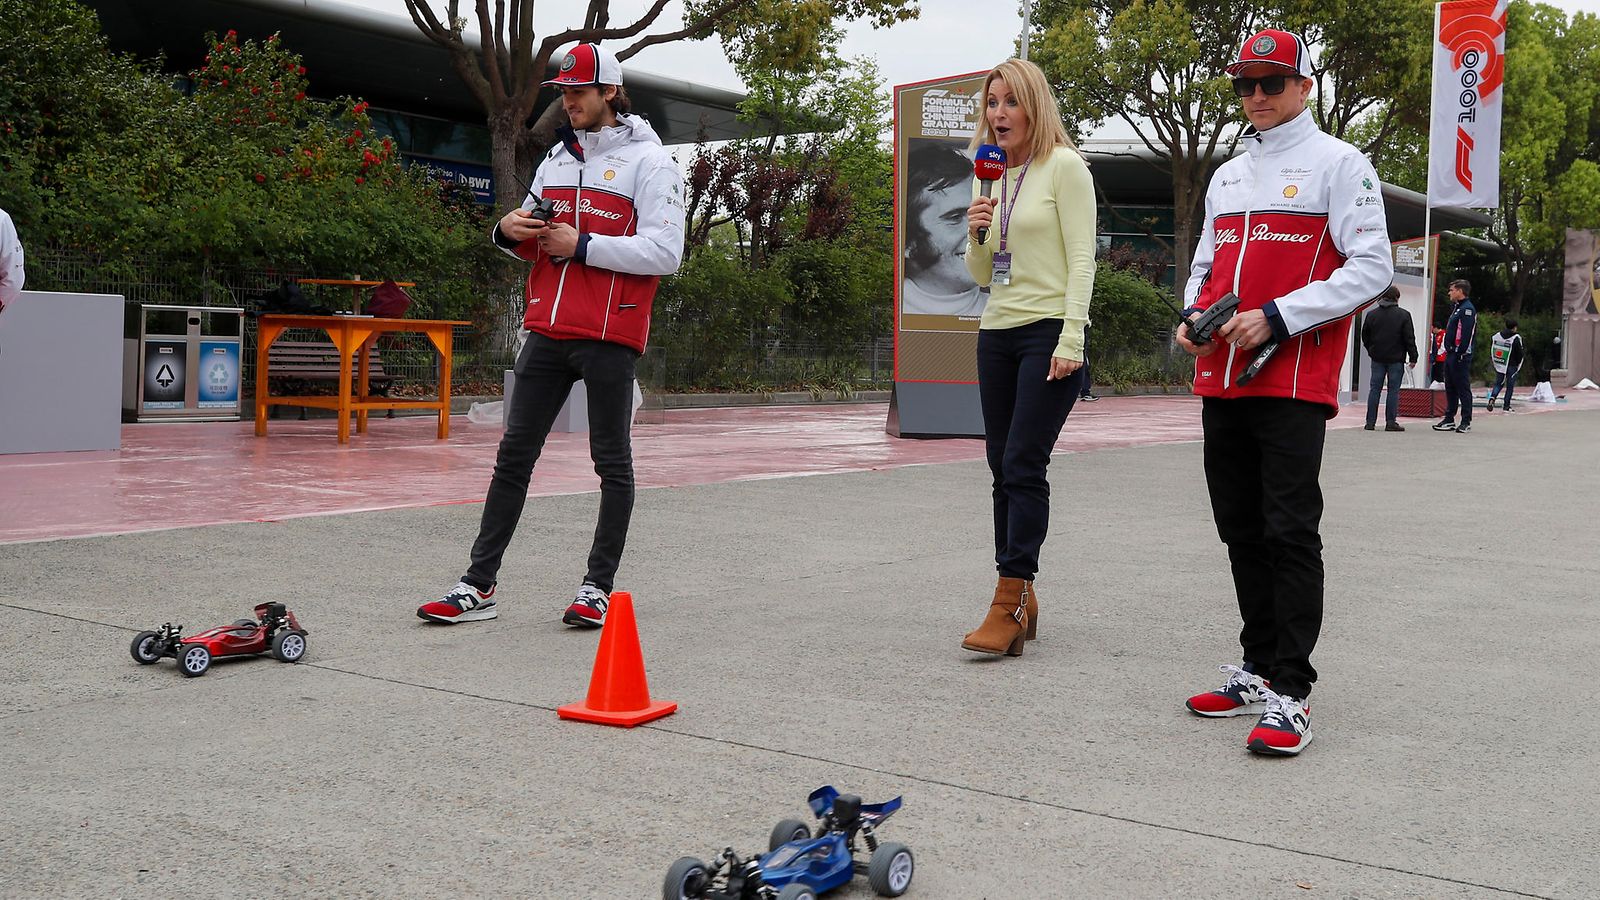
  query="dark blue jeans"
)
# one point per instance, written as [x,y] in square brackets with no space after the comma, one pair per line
[545,372]
[1022,417]
[1508,380]
[1381,372]
[1458,388]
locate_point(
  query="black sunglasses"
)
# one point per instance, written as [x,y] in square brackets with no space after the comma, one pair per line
[1272,85]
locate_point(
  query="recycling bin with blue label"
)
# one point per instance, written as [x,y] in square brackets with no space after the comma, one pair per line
[181,363]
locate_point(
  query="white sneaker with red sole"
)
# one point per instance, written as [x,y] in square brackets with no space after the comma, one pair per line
[1243,694]
[588,609]
[1284,729]
[464,603]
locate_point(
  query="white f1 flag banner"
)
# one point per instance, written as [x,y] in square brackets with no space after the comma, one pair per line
[1469,47]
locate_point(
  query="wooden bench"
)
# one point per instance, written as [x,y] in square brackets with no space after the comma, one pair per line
[298,365]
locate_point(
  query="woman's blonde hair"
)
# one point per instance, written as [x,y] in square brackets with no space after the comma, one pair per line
[1038,103]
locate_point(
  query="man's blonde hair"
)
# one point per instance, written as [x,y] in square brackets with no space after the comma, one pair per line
[1038,103]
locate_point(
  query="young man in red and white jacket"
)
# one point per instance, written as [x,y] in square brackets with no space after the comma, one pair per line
[617,228]
[1294,227]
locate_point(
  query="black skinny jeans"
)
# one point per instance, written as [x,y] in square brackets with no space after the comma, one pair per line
[545,372]
[1263,457]
[1022,417]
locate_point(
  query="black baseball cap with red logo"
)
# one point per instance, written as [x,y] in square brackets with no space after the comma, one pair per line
[587,64]
[1278,48]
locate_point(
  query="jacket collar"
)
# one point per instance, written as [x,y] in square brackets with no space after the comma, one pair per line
[1276,140]
[627,129]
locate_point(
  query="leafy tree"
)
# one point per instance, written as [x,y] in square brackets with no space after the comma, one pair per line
[1549,179]
[238,168]
[801,221]
[1372,62]
[505,68]
[1156,67]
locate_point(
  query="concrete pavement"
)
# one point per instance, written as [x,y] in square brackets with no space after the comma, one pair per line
[809,629]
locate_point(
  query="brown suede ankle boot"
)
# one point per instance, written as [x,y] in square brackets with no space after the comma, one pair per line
[1005,628]
[1033,612]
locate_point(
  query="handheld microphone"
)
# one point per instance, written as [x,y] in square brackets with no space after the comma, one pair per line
[988,165]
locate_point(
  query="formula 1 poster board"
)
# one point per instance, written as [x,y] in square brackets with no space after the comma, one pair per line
[936,303]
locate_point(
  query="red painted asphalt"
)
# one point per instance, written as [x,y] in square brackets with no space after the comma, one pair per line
[182,475]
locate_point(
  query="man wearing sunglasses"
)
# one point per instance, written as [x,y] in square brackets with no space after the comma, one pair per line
[1294,226]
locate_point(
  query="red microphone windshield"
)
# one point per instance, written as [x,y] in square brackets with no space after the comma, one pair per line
[989,163]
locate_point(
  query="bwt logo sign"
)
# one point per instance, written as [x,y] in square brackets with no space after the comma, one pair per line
[1472,38]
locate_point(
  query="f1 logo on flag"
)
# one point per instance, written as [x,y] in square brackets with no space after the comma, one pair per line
[1469,45]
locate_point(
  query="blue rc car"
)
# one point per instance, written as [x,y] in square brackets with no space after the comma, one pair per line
[798,866]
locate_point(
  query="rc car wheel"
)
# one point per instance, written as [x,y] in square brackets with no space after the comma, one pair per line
[891,868]
[143,648]
[786,831]
[687,878]
[193,659]
[289,646]
[796,891]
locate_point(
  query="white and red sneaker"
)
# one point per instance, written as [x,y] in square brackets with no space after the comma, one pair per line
[464,603]
[1243,694]
[588,609]
[1284,729]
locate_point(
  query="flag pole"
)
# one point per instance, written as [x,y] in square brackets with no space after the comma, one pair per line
[1427,189]
[1027,25]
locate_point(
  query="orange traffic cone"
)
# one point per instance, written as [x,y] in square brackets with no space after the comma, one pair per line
[618,692]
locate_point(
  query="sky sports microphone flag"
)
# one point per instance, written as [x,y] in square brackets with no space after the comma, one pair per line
[988,166]
[1469,46]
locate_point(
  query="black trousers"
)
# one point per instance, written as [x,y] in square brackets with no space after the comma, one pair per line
[1022,417]
[1263,456]
[545,371]
[1458,387]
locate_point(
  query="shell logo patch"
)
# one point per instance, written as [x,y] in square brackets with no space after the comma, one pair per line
[610,174]
[1290,191]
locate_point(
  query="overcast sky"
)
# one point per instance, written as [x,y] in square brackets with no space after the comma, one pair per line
[951,37]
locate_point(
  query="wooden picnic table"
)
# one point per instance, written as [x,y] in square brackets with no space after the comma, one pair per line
[353,336]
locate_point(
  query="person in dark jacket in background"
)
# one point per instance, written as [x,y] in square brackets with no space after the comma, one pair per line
[1459,330]
[1387,333]
[1507,351]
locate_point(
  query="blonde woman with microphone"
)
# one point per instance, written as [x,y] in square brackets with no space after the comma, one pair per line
[1033,247]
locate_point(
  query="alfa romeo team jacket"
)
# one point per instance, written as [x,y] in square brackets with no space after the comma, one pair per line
[1295,227]
[622,191]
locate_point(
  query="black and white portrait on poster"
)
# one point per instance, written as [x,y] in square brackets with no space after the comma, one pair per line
[938,192]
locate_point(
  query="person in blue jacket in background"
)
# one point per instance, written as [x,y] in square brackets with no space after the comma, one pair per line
[1459,330]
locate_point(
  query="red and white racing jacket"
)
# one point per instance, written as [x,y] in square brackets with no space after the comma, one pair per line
[1295,227]
[622,191]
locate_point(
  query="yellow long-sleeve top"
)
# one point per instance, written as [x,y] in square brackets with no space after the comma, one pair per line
[1051,242]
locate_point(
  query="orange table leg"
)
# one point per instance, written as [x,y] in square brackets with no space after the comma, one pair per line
[362,367]
[442,341]
[265,335]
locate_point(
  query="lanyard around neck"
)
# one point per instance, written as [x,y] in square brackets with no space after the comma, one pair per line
[1007,205]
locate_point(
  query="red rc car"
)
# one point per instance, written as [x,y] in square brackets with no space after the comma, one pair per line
[275,630]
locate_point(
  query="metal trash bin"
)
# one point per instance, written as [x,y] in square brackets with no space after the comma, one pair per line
[181,363]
